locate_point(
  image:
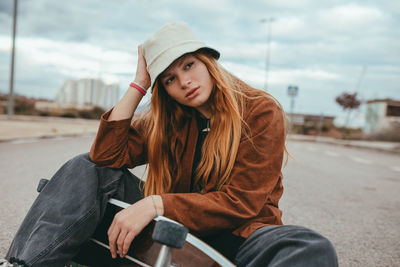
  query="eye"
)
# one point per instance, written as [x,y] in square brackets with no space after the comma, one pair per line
[187,66]
[169,80]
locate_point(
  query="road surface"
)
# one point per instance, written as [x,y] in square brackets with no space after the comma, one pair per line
[349,195]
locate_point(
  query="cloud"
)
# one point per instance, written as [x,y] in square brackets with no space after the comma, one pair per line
[74,55]
[281,77]
[69,60]
[348,17]
[321,46]
[6,8]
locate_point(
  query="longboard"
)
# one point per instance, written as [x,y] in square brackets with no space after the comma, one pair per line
[144,251]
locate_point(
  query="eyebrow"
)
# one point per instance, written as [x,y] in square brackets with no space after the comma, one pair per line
[180,62]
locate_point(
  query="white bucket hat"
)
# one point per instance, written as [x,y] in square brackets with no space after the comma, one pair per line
[168,44]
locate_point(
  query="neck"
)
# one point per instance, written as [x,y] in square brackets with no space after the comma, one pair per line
[205,112]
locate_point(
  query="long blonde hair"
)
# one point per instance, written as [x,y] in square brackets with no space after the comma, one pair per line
[167,117]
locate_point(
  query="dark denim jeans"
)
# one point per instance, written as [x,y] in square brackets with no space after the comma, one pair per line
[67,211]
[287,245]
[73,203]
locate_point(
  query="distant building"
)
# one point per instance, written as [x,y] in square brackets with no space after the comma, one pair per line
[86,92]
[309,123]
[382,115]
[310,120]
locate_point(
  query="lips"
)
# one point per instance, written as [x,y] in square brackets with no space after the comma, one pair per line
[191,92]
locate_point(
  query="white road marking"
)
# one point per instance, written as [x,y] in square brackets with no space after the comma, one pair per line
[360,160]
[60,138]
[24,141]
[36,140]
[397,169]
[127,256]
[331,153]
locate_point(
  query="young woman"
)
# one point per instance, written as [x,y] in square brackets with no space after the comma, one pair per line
[214,148]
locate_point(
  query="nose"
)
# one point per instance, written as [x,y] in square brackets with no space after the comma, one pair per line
[185,81]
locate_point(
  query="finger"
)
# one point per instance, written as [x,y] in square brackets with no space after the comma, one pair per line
[111,228]
[127,242]
[120,241]
[141,59]
[140,51]
[140,54]
[112,237]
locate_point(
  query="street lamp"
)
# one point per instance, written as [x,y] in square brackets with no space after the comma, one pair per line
[292,92]
[11,95]
[269,22]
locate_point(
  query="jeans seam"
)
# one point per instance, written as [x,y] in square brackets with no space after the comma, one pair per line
[107,185]
[61,238]
[104,187]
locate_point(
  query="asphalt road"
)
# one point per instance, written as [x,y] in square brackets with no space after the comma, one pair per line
[349,195]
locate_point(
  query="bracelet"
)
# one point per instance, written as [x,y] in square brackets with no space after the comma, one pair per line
[144,89]
[138,87]
[154,204]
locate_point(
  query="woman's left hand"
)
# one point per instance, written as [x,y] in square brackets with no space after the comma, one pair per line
[129,222]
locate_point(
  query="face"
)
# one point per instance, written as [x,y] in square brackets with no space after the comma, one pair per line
[188,81]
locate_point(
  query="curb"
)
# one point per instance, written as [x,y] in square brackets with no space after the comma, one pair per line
[390,147]
[40,137]
[46,119]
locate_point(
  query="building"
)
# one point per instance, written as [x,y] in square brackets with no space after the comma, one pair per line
[86,92]
[382,115]
[309,123]
[310,120]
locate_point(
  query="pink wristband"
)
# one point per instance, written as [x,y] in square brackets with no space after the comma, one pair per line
[138,88]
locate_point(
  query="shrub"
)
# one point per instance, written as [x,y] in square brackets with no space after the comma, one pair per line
[391,134]
[94,113]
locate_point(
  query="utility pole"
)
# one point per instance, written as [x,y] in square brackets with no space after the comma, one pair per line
[11,94]
[363,71]
[269,22]
[292,92]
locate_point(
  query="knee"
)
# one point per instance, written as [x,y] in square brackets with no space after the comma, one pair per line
[74,168]
[71,175]
[310,244]
[287,245]
[80,161]
[81,158]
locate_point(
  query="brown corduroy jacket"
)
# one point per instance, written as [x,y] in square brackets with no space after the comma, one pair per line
[248,202]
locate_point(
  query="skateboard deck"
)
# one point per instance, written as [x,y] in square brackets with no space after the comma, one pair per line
[144,251]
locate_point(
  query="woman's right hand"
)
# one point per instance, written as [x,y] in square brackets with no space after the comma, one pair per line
[126,107]
[142,76]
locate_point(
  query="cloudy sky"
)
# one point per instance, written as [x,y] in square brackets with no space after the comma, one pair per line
[324,47]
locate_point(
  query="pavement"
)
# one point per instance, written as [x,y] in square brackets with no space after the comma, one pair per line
[14,128]
[19,127]
[348,195]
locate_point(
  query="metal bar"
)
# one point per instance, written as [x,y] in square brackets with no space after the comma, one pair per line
[128,257]
[164,257]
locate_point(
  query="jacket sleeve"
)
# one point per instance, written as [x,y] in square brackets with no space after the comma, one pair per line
[118,144]
[257,171]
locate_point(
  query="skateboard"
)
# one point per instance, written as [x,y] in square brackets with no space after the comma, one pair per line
[163,243]
[155,241]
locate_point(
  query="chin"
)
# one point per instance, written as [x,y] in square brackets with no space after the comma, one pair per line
[198,104]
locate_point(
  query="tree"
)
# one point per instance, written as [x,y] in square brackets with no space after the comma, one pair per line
[348,102]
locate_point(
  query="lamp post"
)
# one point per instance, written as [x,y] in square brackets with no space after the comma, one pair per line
[269,22]
[292,92]
[11,94]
